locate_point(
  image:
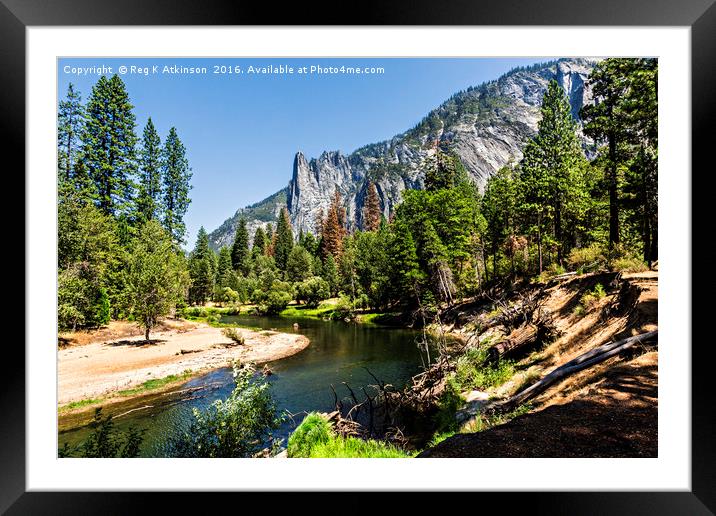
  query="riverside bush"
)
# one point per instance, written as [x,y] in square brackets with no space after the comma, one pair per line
[313,291]
[239,426]
[234,335]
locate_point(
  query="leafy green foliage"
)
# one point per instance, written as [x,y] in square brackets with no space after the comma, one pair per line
[239,426]
[156,276]
[298,264]
[312,291]
[474,371]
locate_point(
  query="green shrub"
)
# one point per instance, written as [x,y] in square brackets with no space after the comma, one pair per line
[473,371]
[239,426]
[228,295]
[590,298]
[275,301]
[233,334]
[581,257]
[629,264]
[313,291]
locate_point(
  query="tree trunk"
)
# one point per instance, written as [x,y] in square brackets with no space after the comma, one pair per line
[558,230]
[508,345]
[539,240]
[584,361]
[146,334]
[613,193]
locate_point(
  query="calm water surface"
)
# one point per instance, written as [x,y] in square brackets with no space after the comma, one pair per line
[339,352]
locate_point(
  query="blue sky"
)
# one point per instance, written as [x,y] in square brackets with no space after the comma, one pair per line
[241,131]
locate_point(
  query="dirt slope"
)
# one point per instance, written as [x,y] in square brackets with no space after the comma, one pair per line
[609,410]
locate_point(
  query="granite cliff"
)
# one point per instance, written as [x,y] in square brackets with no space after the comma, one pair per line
[487,126]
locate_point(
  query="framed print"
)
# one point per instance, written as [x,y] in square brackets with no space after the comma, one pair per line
[432,241]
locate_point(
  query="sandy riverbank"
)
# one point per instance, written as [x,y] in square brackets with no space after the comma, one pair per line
[102,368]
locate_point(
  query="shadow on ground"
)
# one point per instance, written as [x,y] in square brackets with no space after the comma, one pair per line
[618,420]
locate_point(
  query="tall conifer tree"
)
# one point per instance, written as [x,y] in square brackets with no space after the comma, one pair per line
[259,246]
[109,141]
[176,175]
[551,166]
[201,269]
[150,163]
[284,240]
[240,248]
[70,121]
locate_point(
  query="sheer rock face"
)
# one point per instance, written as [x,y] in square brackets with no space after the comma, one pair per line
[487,127]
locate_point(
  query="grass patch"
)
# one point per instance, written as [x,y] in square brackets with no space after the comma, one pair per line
[315,438]
[323,310]
[528,378]
[156,383]
[440,437]
[79,404]
[483,422]
[629,264]
[589,299]
[473,371]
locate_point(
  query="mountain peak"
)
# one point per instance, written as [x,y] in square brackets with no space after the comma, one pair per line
[487,126]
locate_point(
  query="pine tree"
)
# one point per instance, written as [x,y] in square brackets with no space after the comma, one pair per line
[372,212]
[626,119]
[309,243]
[108,142]
[444,171]
[176,175]
[330,273]
[499,209]
[260,244]
[201,269]
[298,265]
[284,240]
[406,274]
[240,249]
[270,240]
[150,163]
[551,165]
[70,120]
[605,121]
[225,268]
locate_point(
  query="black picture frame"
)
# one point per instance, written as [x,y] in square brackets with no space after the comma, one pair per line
[699,15]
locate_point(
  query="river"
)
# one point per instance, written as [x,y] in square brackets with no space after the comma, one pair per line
[339,352]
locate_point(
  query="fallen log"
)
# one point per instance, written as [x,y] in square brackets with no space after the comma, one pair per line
[584,361]
[528,336]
